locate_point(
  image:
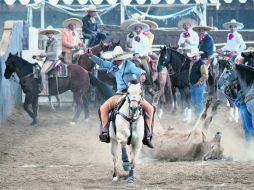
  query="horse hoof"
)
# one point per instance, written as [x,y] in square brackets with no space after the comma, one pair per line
[33,123]
[130,180]
[72,123]
[126,166]
[115,179]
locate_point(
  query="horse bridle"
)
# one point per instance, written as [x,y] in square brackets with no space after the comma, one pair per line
[132,117]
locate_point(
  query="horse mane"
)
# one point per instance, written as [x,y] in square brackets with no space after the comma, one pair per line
[133,81]
[27,67]
[245,74]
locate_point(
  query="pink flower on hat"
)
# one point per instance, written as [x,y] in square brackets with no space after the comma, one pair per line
[230,36]
[186,34]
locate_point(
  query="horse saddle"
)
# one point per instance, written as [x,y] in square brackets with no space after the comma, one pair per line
[58,70]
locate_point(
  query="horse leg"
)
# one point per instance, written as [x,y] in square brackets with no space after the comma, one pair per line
[174,98]
[50,104]
[58,102]
[35,110]
[86,105]
[135,149]
[114,147]
[79,101]
[26,104]
[125,159]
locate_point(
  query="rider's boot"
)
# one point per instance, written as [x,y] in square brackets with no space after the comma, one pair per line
[147,137]
[104,131]
[149,133]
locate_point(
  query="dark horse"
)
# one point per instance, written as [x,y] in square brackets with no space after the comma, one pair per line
[78,82]
[178,66]
[248,58]
[238,77]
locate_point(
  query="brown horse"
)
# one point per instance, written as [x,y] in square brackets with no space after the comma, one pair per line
[84,60]
[78,82]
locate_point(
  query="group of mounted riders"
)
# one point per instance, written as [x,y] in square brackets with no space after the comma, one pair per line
[195,42]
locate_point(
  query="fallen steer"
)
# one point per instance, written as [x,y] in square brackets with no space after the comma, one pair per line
[174,145]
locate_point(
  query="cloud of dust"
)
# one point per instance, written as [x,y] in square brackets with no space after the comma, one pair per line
[236,147]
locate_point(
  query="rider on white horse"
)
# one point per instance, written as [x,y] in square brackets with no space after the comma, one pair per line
[124,70]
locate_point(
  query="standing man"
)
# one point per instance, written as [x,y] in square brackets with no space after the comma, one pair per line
[206,43]
[70,39]
[235,44]
[124,70]
[198,77]
[51,55]
[90,27]
[188,39]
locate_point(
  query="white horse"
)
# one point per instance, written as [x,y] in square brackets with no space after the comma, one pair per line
[129,128]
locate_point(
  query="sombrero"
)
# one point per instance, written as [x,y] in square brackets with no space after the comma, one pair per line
[49,29]
[250,49]
[132,27]
[194,51]
[75,21]
[136,16]
[153,25]
[202,26]
[91,8]
[116,54]
[186,20]
[124,25]
[233,22]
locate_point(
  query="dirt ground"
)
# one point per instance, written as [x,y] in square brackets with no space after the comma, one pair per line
[55,155]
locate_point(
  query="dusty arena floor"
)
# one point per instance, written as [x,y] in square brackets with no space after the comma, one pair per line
[56,155]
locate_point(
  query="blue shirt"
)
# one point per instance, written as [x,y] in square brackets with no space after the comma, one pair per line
[207,45]
[127,71]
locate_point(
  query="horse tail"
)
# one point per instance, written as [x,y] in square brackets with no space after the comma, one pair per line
[103,88]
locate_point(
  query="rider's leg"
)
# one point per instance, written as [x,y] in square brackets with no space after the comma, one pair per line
[44,79]
[92,39]
[149,121]
[103,114]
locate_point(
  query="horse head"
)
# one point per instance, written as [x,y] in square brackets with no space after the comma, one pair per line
[108,46]
[228,82]
[134,97]
[248,58]
[10,66]
[164,58]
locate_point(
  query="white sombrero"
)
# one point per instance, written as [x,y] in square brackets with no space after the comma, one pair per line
[49,29]
[144,26]
[137,17]
[125,24]
[153,25]
[116,54]
[186,20]
[91,8]
[233,22]
[202,26]
[75,21]
[250,49]
[194,51]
